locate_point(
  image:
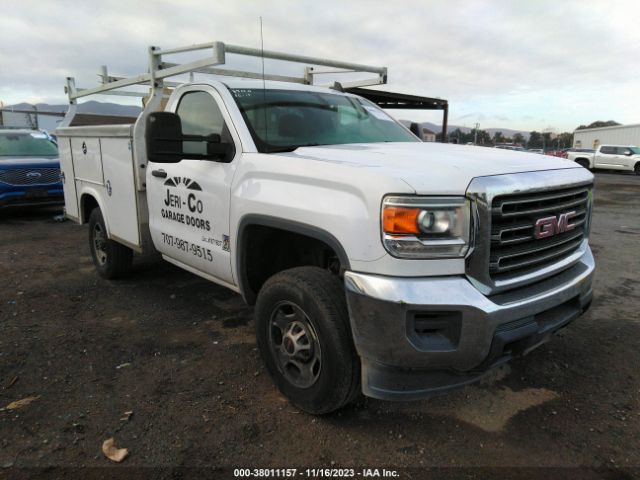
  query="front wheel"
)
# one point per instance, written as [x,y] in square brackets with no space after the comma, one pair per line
[111,259]
[304,338]
[636,169]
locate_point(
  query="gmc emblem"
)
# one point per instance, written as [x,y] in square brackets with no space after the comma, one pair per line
[549,226]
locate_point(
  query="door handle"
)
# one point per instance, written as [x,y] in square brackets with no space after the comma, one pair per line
[159,173]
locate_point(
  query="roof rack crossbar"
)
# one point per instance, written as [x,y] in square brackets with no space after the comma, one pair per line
[240,73]
[158,71]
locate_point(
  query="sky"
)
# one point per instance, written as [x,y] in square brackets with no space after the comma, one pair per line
[527,65]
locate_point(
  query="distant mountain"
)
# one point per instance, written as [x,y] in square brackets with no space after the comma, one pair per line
[437,128]
[101,108]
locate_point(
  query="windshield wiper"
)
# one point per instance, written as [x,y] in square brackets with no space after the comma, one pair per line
[288,148]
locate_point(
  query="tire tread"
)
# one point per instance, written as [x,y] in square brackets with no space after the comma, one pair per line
[120,257]
[328,292]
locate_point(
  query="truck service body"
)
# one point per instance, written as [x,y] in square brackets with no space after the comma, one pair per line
[393,267]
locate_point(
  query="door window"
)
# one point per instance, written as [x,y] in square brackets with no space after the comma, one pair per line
[200,115]
[608,150]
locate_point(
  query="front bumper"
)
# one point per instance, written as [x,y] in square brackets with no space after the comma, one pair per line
[30,196]
[418,337]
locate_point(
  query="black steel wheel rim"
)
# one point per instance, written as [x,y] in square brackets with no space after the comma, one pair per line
[294,345]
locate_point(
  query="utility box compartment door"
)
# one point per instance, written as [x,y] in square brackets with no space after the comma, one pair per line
[86,159]
[121,194]
[68,178]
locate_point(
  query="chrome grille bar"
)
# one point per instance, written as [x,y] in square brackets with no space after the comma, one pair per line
[506,209]
[514,248]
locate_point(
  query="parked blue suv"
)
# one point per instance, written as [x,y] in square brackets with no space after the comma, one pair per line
[29,169]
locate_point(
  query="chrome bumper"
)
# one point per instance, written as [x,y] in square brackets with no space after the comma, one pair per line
[420,336]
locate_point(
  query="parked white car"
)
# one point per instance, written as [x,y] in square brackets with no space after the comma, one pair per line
[611,157]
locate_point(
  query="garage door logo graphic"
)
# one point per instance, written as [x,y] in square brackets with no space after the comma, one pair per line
[185,209]
[187,182]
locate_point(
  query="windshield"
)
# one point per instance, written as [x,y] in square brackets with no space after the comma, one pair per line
[635,150]
[21,144]
[283,120]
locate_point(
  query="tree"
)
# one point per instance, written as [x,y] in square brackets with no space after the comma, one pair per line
[535,140]
[498,137]
[598,124]
[519,139]
[565,140]
[461,137]
[484,138]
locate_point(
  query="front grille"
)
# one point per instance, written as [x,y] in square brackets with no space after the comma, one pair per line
[30,176]
[514,249]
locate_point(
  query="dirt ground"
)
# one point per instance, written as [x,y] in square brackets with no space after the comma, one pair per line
[179,354]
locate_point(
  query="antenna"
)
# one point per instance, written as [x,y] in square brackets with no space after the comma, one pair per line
[264,88]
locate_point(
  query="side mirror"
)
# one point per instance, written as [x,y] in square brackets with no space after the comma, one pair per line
[165,141]
[628,153]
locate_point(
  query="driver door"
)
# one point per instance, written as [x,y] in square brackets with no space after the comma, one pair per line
[189,200]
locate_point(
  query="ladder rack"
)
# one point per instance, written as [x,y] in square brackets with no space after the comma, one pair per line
[159,70]
[215,53]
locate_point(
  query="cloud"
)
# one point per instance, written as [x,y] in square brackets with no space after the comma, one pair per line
[568,62]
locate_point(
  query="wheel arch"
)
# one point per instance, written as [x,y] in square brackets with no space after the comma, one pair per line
[90,199]
[585,159]
[285,226]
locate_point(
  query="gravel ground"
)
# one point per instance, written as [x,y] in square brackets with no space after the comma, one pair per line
[178,353]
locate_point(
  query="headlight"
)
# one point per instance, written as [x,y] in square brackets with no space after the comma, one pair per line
[426,227]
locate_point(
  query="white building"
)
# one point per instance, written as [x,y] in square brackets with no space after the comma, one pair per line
[428,135]
[616,135]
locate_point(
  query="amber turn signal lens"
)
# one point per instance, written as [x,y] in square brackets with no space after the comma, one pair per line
[400,220]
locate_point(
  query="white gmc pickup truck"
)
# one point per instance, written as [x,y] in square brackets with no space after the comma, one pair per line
[376,263]
[613,157]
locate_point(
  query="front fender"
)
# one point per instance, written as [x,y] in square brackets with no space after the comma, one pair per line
[344,202]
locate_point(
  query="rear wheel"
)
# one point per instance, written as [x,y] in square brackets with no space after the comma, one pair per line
[111,259]
[303,334]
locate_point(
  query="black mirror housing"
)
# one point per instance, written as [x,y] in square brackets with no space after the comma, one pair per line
[163,137]
[164,141]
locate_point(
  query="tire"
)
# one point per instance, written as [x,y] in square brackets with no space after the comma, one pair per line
[583,163]
[636,169]
[304,338]
[111,259]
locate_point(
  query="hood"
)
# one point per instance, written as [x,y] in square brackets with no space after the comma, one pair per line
[29,162]
[432,168]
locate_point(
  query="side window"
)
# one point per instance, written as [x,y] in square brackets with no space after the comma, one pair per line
[200,115]
[623,151]
[608,150]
